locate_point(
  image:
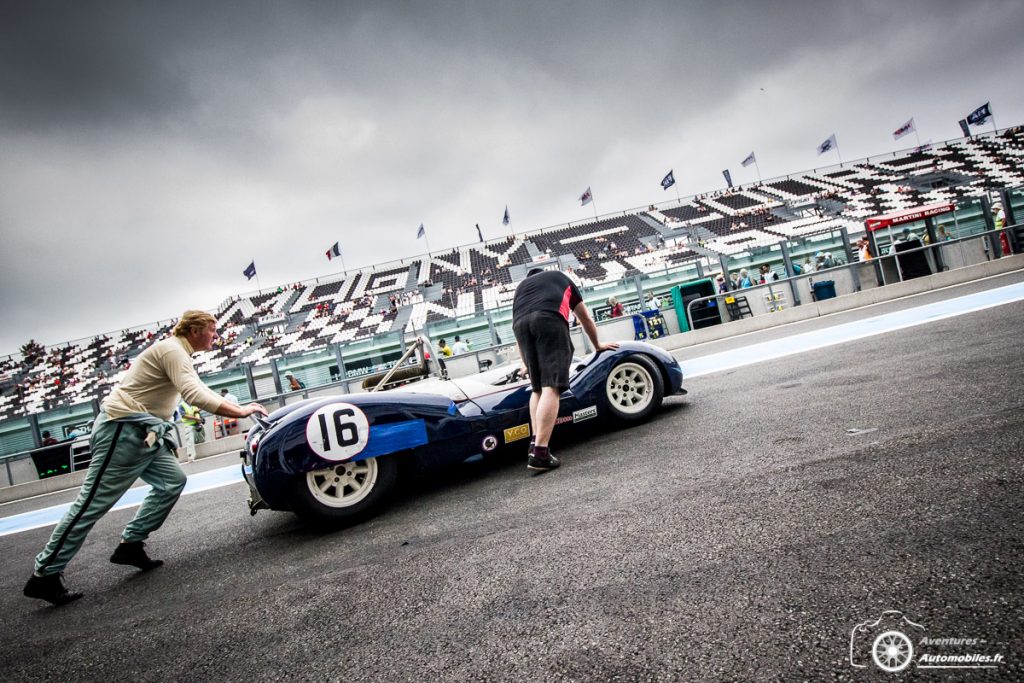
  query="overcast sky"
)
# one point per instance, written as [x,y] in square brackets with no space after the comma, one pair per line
[150,150]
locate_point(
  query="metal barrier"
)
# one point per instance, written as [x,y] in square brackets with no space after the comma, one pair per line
[991,236]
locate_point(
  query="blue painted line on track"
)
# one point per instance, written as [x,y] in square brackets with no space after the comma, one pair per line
[697,367]
[132,498]
[852,331]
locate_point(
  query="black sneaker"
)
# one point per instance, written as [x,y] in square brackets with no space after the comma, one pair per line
[50,588]
[134,554]
[542,463]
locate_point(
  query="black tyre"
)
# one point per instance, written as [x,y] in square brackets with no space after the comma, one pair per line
[634,389]
[346,493]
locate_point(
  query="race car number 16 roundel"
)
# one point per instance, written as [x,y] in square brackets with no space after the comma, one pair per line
[338,431]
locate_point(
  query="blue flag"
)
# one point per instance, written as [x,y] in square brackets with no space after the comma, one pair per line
[728,177]
[422,232]
[505,220]
[668,181]
[964,128]
[250,271]
[980,115]
[828,145]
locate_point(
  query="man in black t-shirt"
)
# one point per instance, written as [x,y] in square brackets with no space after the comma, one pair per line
[540,320]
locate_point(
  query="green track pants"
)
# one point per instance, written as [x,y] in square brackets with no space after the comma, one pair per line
[120,455]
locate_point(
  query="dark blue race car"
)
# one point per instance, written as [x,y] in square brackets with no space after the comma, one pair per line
[337,459]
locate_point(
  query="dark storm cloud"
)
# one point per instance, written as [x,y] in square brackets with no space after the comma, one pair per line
[150,150]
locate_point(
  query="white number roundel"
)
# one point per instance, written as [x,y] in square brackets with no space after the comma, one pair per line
[338,431]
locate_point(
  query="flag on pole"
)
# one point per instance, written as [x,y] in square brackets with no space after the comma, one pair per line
[927,144]
[586,197]
[980,115]
[333,251]
[668,181]
[751,159]
[906,129]
[728,177]
[828,145]
[964,128]
[505,220]
[478,233]
[422,232]
[250,271]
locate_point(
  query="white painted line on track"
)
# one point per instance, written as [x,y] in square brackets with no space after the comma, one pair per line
[696,367]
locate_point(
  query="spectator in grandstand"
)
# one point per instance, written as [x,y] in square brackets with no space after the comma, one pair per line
[444,349]
[745,279]
[652,303]
[459,347]
[294,383]
[540,321]
[942,234]
[132,437]
[48,439]
[228,396]
[722,287]
[616,307]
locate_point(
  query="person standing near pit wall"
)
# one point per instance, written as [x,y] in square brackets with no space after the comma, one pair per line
[540,321]
[133,438]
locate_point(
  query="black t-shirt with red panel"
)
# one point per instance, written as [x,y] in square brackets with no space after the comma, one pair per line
[550,291]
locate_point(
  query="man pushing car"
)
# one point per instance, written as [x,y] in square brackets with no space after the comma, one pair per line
[133,438]
[540,321]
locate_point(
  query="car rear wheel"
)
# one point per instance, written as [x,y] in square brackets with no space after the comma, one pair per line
[634,389]
[346,492]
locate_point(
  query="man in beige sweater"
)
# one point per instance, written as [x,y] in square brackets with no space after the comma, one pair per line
[133,438]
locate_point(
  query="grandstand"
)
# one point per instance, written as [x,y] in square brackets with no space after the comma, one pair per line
[406,296]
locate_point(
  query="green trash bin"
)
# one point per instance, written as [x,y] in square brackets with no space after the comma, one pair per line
[824,289]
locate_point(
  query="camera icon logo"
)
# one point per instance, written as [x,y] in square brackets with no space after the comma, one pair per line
[888,641]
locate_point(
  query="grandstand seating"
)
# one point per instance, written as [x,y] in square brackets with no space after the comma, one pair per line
[361,304]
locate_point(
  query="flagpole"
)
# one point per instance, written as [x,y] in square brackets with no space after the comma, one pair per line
[758,167]
[594,204]
[427,240]
[994,129]
[678,198]
[344,270]
[838,154]
[258,285]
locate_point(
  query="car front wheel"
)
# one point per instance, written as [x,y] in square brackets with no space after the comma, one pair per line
[634,389]
[344,493]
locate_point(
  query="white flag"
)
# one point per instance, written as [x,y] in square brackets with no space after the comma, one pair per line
[586,197]
[905,129]
[750,160]
[828,145]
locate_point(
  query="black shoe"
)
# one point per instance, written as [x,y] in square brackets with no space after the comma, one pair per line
[542,463]
[50,588]
[134,554]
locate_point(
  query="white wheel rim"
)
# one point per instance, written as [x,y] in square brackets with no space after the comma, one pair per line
[343,485]
[630,388]
[892,651]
